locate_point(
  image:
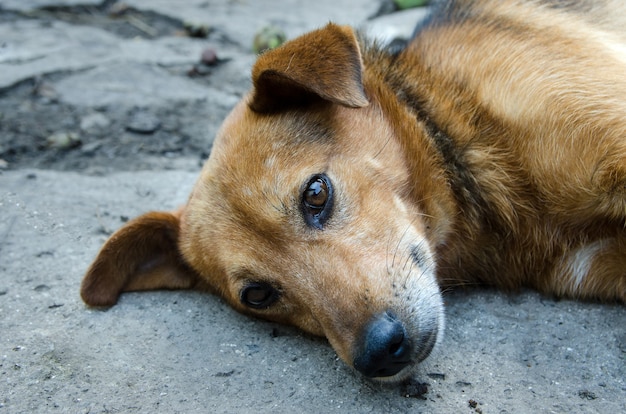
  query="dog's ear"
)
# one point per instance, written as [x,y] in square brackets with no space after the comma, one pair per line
[325,63]
[142,255]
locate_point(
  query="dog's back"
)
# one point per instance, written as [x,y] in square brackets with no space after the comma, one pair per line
[607,15]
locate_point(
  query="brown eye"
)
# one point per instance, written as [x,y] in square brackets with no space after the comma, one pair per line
[259,295]
[316,194]
[317,201]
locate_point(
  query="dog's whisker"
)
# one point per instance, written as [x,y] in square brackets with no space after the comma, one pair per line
[425,215]
[382,148]
[387,253]
[408,227]
[408,258]
[282,208]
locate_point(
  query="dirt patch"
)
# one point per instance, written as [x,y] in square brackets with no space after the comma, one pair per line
[33,124]
[110,15]
[40,128]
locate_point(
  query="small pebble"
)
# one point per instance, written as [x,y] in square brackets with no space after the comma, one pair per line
[587,395]
[143,122]
[46,92]
[197,29]
[118,9]
[414,389]
[94,121]
[91,147]
[63,140]
[209,56]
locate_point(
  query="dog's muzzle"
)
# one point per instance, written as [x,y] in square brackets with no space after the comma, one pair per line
[385,348]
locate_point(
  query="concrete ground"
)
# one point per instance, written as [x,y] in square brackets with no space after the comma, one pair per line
[97,109]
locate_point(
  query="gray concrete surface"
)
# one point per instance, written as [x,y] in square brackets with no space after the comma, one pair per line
[186,352]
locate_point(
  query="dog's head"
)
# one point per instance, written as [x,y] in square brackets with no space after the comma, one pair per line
[301,215]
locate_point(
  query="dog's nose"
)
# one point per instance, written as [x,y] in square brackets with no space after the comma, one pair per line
[385,348]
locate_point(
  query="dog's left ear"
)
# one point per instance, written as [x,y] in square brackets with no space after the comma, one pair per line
[325,63]
[142,255]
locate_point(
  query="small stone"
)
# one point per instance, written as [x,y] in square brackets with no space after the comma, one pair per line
[41,288]
[94,121]
[63,140]
[587,395]
[4,164]
[118,9]
[199,30]
[414,389]
[46,92]
[209,56]
[91,147]
[143,122]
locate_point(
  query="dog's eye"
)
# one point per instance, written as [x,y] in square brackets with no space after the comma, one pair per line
[259,295]
[317,200]
[316,194]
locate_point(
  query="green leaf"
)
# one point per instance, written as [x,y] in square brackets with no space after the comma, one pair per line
[407,4]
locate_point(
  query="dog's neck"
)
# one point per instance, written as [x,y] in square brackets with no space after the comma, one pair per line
[437,158]
[458,174]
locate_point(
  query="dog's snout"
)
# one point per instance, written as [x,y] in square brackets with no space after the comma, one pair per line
[385,348]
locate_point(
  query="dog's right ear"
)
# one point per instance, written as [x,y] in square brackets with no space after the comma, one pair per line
[325,64]
[142,255]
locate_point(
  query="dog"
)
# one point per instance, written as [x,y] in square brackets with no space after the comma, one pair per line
[352,185]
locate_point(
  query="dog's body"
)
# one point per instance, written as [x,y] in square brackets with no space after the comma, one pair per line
[351,184]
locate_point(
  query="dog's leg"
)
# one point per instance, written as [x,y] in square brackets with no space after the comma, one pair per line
[595,270]
[142,255]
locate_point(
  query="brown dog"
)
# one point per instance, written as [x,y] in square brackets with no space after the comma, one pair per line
[351,184]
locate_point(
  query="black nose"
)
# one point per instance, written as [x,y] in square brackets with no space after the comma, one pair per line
[385,348]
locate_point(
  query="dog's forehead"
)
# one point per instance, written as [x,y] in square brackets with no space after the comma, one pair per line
[253,149]
[245,129]
[258,165]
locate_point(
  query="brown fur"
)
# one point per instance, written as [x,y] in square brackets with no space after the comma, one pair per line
[491,150]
